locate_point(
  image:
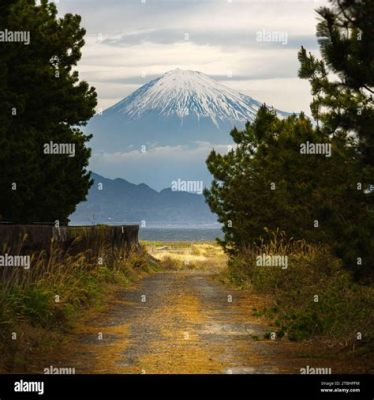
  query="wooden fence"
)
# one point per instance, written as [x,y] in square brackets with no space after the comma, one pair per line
[25,238]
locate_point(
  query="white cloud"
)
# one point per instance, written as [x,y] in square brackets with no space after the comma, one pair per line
[222,40]
[154,166]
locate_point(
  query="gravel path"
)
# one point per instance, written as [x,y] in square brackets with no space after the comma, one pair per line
[181,322]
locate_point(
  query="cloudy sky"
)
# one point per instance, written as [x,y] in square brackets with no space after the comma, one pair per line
[129,42]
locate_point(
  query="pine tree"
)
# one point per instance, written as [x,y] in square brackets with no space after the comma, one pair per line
[344,106]
[42,101]
[266,183]
[346,38]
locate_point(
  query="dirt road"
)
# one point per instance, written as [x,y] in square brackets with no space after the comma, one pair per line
[180,322]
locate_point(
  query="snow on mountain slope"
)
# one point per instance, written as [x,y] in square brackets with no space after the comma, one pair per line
[184,93]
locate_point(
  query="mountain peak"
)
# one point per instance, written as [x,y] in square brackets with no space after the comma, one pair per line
[184,94]
[182,72]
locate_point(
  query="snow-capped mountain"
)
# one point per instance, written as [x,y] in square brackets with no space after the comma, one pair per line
[188,93]
[180,107]
[165,130]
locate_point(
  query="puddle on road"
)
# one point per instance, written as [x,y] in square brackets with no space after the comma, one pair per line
[227,330]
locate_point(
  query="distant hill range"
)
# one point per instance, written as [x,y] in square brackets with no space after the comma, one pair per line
[117,201]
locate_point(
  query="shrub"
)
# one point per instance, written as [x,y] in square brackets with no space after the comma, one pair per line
[344,307]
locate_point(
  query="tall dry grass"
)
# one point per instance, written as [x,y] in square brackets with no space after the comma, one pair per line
[314,296]
[207,256]
[60,283]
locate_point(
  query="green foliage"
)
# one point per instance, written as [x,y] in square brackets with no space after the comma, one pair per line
[47,108]
[342,106]
[35,303]
[346,37]
[306,188]
[267,184]
[344,308]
